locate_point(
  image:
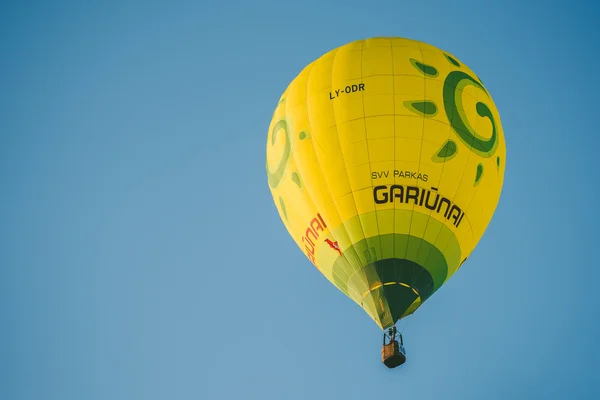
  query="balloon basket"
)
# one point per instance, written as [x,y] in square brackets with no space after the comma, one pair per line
[393,354]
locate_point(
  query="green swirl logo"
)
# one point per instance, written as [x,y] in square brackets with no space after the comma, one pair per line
[454,84]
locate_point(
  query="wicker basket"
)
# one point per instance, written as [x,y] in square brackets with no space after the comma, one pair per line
[391,355]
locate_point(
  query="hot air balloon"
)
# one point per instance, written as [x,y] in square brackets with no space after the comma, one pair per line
[385,158]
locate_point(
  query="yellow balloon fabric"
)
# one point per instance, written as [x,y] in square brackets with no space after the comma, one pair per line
[385,158]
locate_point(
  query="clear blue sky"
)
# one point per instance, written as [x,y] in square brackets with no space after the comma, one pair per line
[142,256]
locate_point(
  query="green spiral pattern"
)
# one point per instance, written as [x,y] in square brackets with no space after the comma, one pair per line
[455,82]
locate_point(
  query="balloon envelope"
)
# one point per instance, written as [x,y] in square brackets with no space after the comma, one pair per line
[385,158]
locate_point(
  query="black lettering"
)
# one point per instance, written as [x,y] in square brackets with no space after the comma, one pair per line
[434,205]
[399,195]
[444,201]
[379,174]
[460,219]
[414,196]
[422,197]
[361,86]
[458,213]
[348,89]
[384,196]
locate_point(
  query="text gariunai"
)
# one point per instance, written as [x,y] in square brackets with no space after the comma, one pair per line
[428,198]
[315,225]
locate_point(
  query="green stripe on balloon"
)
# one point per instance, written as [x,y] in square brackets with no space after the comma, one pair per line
[479,174]
[446,153]
[427,70]
[296,179]
[422,107]
[283,209]
[452,60]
